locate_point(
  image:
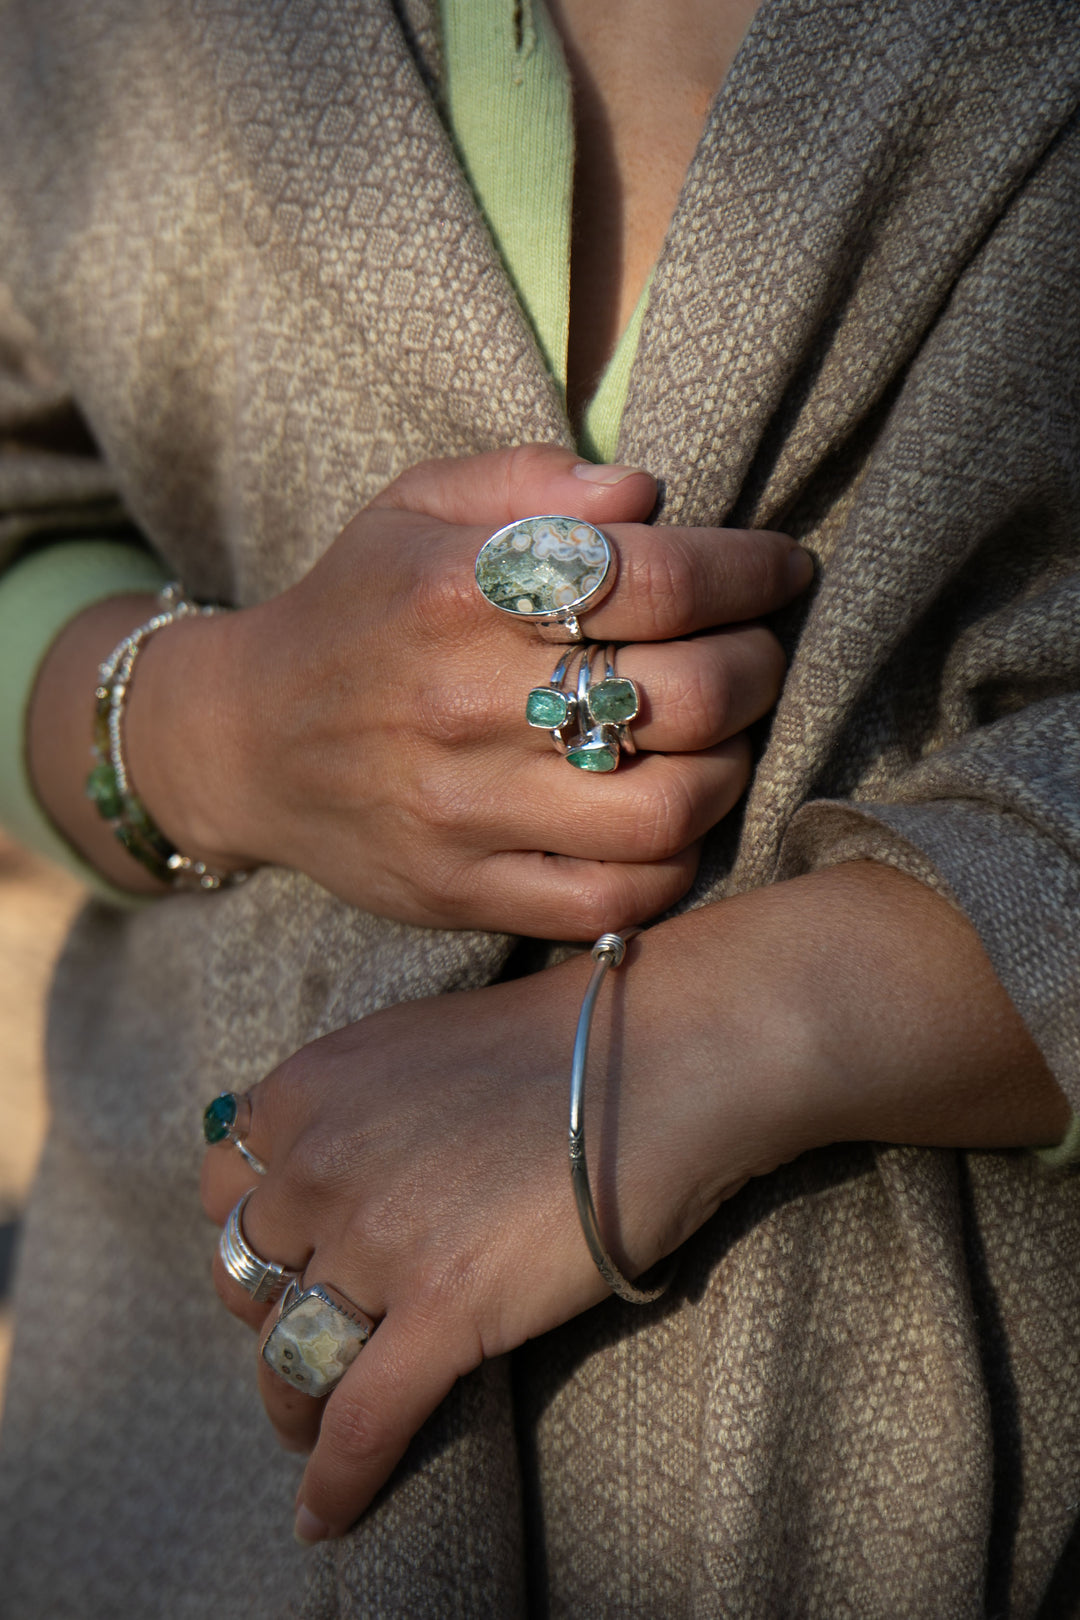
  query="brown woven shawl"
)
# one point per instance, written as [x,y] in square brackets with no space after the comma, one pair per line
[240,234]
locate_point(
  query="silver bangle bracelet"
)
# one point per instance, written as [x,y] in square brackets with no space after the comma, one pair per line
[608,952]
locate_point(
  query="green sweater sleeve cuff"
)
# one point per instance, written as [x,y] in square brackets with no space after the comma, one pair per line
[38,597]
[1067,1152]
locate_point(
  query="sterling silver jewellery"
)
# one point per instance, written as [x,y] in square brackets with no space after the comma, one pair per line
[547,571]
[553,708]
[608,952]
[316,1336]
[228,1119]
[596,747]
[263,1279]
[109,785]
[601,711]
[615,700]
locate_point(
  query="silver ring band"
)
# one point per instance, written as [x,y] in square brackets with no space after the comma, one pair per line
[228,1119]
[596,747]
[615,700]
[553,708]
[263,1279]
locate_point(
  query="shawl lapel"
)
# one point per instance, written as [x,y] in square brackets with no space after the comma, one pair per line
[824,224]
[352,182]
[850,166]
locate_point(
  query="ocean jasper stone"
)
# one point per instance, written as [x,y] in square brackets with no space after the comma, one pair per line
[313,1343]
[614,701]
[544,566]
[547,708]
[593,754]
[218,1117]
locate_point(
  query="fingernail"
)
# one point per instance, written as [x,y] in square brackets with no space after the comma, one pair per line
[308,1529]
[800,568]
[592,474]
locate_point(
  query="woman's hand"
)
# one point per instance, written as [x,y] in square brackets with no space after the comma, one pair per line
[418,1164]
[418,1160]
[367,726]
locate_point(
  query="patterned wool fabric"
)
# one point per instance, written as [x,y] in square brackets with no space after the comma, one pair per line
[241,236]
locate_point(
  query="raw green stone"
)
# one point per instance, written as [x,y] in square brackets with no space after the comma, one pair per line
[547,708]
[593,756]
[102,789]
[613,702]
[218,1116]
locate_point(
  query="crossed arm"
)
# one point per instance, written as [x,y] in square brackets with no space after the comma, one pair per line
[365,727]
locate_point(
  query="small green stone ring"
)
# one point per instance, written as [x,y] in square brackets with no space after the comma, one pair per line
[615,700]
[553,708]
[547,571]
[228,1119]
[604,711]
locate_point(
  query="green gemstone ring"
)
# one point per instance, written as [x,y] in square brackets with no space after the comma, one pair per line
[228,1119]
[605,709]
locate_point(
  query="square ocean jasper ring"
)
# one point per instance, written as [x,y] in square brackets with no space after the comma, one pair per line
[317,1335]
[547,571]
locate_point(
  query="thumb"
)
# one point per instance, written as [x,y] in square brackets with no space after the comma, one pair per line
[526,481]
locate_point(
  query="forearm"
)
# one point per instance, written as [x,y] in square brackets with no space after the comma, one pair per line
[858,1005]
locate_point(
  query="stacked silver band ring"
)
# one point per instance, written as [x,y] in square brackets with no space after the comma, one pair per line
[553,708]
[263,1279]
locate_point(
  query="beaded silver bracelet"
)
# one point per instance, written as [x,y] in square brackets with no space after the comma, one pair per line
[109,785]
[608,952]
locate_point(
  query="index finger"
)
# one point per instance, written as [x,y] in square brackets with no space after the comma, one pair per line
[671,582]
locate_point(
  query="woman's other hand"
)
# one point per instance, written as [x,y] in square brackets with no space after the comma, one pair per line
[367,725]
[417,1161]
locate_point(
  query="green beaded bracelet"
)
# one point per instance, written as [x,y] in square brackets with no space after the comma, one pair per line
[108,784]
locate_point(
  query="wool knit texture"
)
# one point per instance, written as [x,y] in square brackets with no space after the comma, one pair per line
[238,230]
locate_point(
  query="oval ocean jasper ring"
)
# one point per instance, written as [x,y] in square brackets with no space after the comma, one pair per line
[547,572]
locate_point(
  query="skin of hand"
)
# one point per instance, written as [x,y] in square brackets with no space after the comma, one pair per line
[367,725]
[417,1160]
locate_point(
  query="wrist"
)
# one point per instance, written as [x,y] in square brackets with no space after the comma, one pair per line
[183,739]
[701,1078]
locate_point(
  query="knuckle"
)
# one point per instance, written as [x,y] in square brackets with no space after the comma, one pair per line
[524,467]
[700,698]
[588,906]
[446,803]
[455,712]
[757,564]
[442,599]
[670,582]
[319,1163]
[354,1427]
[667,816]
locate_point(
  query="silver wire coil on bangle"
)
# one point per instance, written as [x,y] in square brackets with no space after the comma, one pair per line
[608,952]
